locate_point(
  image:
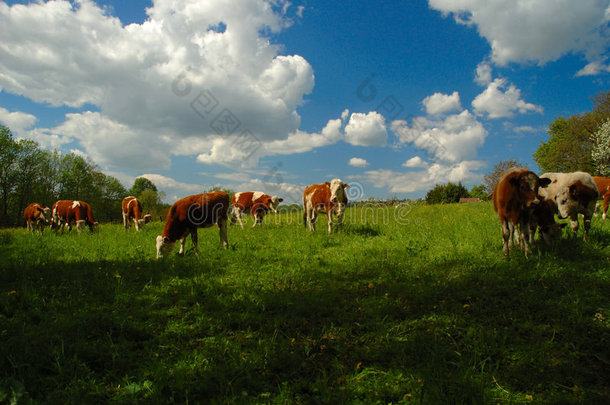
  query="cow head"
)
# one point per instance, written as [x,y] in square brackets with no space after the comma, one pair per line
[164,246]
[273,202]
[46,215]
[147,217]
[337,193]
[573,198]
[527,184]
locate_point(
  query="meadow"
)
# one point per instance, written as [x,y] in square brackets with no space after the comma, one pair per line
[406,305]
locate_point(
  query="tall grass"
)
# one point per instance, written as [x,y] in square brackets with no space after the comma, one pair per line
[411,306]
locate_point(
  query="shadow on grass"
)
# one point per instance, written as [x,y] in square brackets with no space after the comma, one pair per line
[462,330]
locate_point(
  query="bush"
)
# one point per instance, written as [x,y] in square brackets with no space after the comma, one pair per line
[446,194]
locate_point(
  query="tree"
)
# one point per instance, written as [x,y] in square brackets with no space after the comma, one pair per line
[141,184]
[8,170]
[446,194]
[491,178]
[479,192]
[601,149]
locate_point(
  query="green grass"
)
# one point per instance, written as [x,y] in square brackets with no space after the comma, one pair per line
[421,310]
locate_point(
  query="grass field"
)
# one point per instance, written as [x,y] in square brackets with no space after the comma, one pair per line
[416,306]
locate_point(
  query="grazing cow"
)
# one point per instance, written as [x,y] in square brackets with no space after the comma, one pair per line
[603,186]
[515,197]
[68,212]
[132,208]
[190,213]
[36,217]
[573,193]
[257,203]
[326,197]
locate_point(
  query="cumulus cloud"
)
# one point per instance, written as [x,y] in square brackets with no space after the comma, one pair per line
[502,100]
[439,103]
[437,173]
[416,161]
[16,121]
[358,162]
[366,129]
[539,31]
[174,77]
[174,189]
[452,139]
[483,74]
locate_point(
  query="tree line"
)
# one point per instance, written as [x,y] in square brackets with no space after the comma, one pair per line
[29,174]
[580,142]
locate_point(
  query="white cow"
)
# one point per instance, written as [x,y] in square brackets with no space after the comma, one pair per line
[573,193]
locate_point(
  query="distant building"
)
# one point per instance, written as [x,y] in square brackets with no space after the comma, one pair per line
[469,200]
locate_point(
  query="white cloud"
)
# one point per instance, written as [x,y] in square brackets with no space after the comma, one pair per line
[539,31]
[173,77]
[501,101]
[358,162]
[483,74]
[113,144]
[416,161]
[593,68]
[366,129]
[453,139]
[440,103]
[174,189]
[408,182]
[16,121]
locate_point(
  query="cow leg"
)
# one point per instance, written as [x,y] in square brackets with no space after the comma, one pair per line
[587,222]
[222,230]
[606,202]
[507,233]
[311,218]
[80,225]
[125,221]
[574,224]
[524,227]
[329,214]
[195,242]
[238,216]
[182,243]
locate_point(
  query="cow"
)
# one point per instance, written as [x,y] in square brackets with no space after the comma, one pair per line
[603,187]
[258,203]
[190,213]
[132,208]
[68,212]
[327,197]
[573,193]
[514,198]
[36,217]
[543,218]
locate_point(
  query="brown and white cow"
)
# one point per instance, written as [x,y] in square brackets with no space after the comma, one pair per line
[68,212]
[603,186]
[132,209]
[327,197]
[255,202]
[573,193]
[36,217]
[514,197]
[190,213]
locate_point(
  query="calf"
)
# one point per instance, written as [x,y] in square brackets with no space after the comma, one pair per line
[543,218]
[603,186]
[68,212]
[573,193]
[190,213]
[132,209]
[36,217]
[257,203]
[515,197]
[326,197]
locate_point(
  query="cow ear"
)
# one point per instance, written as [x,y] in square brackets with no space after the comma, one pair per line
[345,186]
[573,190]
[280,199]
[165,239]
[269,201]
[544,182]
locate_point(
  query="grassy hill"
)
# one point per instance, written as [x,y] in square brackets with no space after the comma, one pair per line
[409,304]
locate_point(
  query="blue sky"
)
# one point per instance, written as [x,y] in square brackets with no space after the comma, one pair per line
[392,97]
